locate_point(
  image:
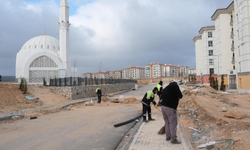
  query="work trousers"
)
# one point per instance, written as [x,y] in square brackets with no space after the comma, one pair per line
[146,109]
[99,99]
[170,118]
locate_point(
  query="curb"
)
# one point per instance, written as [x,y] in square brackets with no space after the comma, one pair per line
[129,137]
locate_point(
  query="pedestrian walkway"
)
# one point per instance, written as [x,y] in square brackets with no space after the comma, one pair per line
[147,137]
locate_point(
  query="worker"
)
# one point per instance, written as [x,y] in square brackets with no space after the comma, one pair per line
[170,101]
[147,99]
[99,94]
[159,88]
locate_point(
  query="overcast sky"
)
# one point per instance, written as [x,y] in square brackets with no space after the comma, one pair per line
[117,33]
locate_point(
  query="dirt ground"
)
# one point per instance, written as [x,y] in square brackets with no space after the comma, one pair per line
[12,99]
[208,115]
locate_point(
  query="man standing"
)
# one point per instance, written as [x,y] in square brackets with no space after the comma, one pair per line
[170,100]
[99,94]
[159,88]
[147,99]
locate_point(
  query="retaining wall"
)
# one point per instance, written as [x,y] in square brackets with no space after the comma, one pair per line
[76,92]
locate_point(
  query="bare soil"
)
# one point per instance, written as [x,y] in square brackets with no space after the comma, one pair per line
[12,99]
[218,116]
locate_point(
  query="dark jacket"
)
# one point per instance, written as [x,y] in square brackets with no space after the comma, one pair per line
[171,95]
[99,92]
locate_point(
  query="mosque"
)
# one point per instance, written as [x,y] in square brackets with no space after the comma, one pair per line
[44,56]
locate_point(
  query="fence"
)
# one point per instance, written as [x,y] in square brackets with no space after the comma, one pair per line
[76,81]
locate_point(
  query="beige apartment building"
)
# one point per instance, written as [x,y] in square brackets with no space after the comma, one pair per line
[154,70]
[224,50]
[133,73]
[183,71]
[204,47]
[87,75]
[117,74]
[231,47]
[170,70]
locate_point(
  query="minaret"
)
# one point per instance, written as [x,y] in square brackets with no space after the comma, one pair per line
[64,36]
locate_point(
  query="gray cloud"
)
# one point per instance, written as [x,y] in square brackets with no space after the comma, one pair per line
[116,33]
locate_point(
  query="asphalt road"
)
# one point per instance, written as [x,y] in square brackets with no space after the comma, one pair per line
[83,128]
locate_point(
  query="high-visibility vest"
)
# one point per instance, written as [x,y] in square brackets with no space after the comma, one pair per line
[97,90]
[158,87]
[150,94]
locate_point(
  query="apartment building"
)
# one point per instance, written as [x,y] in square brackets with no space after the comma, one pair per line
[207,48]
[198,57]
[231,46]
[183,71]
[117,74]
[242,44]
[224,46]
[148,71]
[125,73]
[133,73]
[204,47]
[170,70]
[87,75]
[192,71]
[154,70]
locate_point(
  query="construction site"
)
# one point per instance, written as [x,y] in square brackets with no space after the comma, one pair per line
[207,119]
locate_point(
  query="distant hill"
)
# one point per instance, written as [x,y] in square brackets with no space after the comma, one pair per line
[8,79]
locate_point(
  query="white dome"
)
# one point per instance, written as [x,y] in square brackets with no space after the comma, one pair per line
[43,42]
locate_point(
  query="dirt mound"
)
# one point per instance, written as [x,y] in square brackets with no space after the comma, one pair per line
[131,100]
[12,99]
[210,115]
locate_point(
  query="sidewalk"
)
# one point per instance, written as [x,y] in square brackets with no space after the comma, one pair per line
[147,137]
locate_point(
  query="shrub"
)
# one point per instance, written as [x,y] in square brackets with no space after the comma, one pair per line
[44,81]
[222,86]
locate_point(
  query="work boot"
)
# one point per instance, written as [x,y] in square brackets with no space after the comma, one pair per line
[176,142]
[168,139]
[150,119]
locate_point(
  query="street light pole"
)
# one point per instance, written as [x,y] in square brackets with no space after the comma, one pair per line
[218,73]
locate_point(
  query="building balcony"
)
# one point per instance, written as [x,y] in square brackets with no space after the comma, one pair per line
[232,34]
[231,22]
[232,47]
[233,60]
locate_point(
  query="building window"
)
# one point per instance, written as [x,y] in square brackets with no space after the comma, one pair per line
[41,46]
[211,62]
[234,67]
[210,43]
[211,70]
[210,53]
[47,46]
[210,34]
